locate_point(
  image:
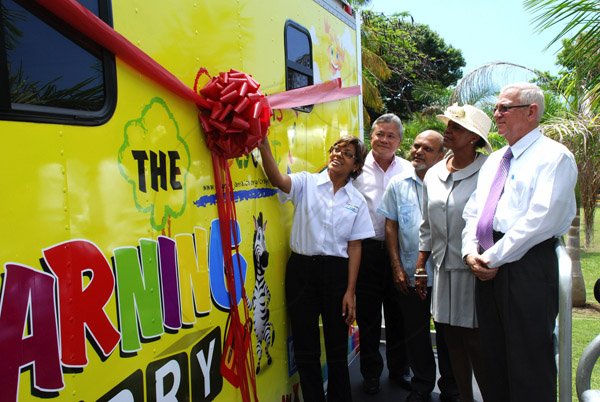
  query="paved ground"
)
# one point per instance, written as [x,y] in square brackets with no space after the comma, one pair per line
[389,391]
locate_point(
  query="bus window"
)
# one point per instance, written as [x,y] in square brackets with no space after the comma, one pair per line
[51,73]
[298,59]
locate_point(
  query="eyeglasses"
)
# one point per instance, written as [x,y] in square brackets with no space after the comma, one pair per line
[341,151]
[504,108]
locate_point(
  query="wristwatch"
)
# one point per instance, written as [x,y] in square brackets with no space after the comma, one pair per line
[420,273]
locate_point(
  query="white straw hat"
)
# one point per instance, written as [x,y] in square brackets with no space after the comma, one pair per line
[471,118]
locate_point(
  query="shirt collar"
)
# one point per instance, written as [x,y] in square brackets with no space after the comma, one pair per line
[323,179]
[413,176]
[525,142]
[469,170]
[351,191]
[370,160]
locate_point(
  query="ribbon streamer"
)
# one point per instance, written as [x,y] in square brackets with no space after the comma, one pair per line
[319,93]
[237,361]
[87,23]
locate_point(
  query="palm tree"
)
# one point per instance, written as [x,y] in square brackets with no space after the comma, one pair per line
[478,87]
[375,69]
[580,84]
[581,134]
[582,19]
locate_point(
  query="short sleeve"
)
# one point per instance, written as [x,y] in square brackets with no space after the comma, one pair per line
[389,202]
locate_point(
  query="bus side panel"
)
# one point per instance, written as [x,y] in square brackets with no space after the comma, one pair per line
[112,276]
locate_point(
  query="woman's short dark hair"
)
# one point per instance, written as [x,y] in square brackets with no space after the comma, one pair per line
[480,143]
[359,155]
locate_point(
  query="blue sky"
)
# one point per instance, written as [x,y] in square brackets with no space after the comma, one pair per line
[484,30]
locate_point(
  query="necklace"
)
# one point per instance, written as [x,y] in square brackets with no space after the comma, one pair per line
[457,169]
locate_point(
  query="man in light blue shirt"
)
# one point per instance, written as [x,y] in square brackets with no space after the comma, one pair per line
[402,207]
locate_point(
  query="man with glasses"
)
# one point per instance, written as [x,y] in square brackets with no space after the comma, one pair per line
[524,200]
[375,286]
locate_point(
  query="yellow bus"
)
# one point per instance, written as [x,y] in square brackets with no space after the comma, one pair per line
[112,274]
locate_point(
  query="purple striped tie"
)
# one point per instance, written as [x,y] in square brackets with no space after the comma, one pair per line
[485,226]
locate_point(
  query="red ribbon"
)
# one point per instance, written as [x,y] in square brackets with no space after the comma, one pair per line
[237,361]
[327,91]
[84,21]
[238,114]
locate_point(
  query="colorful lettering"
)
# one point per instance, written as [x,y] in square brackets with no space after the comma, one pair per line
[82,305]
[138,293]
[28,306]
[216,266]
[169,283]
[194,282]
[46,317]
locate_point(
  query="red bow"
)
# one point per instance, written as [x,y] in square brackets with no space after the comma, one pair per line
[238,114]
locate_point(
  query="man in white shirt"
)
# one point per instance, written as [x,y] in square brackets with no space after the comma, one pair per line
[375,285]
[517,294]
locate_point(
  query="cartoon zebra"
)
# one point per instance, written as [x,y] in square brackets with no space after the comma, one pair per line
[263,328]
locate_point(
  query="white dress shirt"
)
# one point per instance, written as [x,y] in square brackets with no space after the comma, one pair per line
[538,201]
[372,184]
[325,222]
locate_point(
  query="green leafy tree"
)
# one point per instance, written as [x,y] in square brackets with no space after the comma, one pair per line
[422,64]
[359,3]
[375,71]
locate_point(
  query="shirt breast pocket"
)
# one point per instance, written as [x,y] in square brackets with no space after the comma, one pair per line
[408,217]
[344,222]
[519,192]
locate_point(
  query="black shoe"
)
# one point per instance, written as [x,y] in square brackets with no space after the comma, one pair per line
[401,381]
[449,398]
[371,386]
[416,396]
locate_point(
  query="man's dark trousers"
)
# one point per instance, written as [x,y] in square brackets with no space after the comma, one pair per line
[517,312]
[375,287]
[417,319]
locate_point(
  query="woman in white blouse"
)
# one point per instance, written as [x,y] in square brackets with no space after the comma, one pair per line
[447,187]
[330,220]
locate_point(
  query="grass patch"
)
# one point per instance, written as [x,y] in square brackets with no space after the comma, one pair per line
[585,328]
[586,321]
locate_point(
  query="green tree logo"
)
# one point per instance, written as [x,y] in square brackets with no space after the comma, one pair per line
[155,160]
